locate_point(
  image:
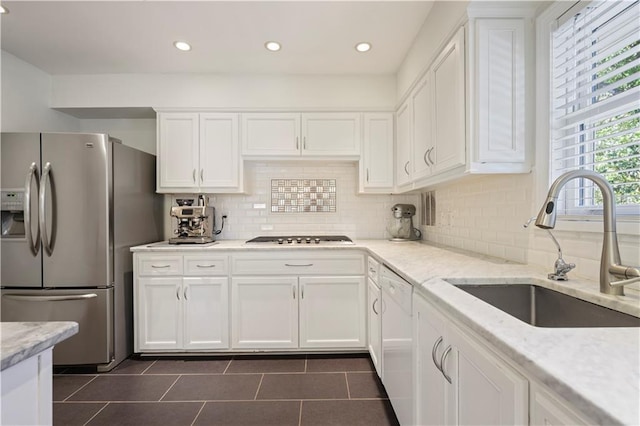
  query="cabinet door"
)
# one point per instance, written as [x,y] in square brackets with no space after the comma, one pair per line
[374,325]
[219,152]
[271,134]
[158,313]
[431,386]
[332,312]
[488,391]
[500,80]
[547,410]
[264,312]
[423,155]
[403,144]
[449,109]
[377,152]
[331,134]
[205,313]
[177,150]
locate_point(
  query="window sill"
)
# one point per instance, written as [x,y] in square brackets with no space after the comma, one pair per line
[625,225]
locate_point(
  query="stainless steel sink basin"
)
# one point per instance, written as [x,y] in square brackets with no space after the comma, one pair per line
[542,307]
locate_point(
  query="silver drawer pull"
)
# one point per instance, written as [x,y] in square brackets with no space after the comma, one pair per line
[205,266]
[160,266]
[306,264]
[433,353]
[443,359]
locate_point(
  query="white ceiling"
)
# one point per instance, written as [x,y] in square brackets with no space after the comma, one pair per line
[318,37]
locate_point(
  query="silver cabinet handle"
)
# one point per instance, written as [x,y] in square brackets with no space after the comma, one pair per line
[205,266]
[367,175]
[194,175]
[46,242]
[51,298]
[302,291]
[160,266]
[297,142]
[185,293]
[201,175]
[34,245]
[373,306]
[178,292]
[443,359]
[301,266]
[429,151]
[405,168]
[294,291]
[304,142]
[433,353]
[424,157]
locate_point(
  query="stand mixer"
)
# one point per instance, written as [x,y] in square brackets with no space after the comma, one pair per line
[401,227]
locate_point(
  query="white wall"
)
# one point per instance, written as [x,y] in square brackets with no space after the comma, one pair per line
[223,91]
[26,92]
[139,133]
[357,216]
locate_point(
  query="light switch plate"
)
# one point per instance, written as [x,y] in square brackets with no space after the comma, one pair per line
[266,227]
[259,206]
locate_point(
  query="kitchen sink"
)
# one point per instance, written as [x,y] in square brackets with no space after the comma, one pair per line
[542,307]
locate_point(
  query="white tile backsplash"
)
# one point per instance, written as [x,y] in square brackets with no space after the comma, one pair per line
[357,216]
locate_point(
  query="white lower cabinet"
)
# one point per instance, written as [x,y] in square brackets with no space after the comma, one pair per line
[182,313]
[547,410]
[290,312]
[460,381]
[264,312]
[177,310]
[374,334]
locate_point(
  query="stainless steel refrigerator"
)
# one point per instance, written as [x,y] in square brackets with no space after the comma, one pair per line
[72,205]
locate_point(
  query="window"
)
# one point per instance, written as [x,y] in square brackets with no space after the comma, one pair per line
[595,104]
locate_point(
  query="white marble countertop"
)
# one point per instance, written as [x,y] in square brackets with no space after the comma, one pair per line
[597,370]
[22,340]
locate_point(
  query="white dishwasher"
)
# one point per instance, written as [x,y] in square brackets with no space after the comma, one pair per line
[397,344]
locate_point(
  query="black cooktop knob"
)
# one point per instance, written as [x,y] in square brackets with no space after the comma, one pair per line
[308,240]
[289,240]
[280,241]
[317,240]
[298,240]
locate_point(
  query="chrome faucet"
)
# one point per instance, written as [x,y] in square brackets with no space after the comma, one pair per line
[613,275]
[560,267]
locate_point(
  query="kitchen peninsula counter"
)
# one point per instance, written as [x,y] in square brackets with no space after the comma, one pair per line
[596,370]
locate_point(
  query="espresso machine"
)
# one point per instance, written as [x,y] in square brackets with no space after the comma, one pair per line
[194,224]
[401,227]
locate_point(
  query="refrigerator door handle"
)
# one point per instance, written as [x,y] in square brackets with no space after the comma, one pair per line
[46,242]
[34,245]
[51,298]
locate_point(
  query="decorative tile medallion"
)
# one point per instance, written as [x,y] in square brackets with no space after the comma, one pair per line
[303,195]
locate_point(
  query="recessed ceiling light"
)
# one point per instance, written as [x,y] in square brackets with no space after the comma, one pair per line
[3,10]
[363,47]
[182,45]
[273,46]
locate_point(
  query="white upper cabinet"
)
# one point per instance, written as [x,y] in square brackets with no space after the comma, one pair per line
[271,134]
[403,144]
[500,76]
[330,134]
[449,117]
[376,164]
[198,152]
[422,118]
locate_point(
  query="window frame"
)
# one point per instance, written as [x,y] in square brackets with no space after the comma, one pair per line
[546,22]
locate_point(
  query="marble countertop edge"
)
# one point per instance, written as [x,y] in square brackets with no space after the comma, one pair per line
[22,340]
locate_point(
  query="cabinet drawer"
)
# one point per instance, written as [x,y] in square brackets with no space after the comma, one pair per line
[205,265]
[308,263]
[160,265]
[373,267]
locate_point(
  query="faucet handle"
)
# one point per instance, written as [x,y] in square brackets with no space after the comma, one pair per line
[561,269]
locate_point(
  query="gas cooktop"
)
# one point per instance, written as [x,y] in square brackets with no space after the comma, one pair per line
[304,239]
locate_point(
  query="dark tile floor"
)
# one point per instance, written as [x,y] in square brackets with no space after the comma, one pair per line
[240,390]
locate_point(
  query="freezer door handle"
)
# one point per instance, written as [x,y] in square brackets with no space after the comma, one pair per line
[46,242]
[51,298]
[34,245]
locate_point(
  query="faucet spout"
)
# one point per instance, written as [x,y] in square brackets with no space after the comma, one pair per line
[613,275]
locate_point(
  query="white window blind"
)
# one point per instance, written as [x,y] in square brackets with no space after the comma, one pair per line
[596,104]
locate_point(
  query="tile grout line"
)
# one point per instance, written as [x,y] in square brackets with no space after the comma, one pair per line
[79,389]
[99,411]
[300,414]
[346,379]
[147,369]
[167,391]
[199,411]
[227,367]
[255,398]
